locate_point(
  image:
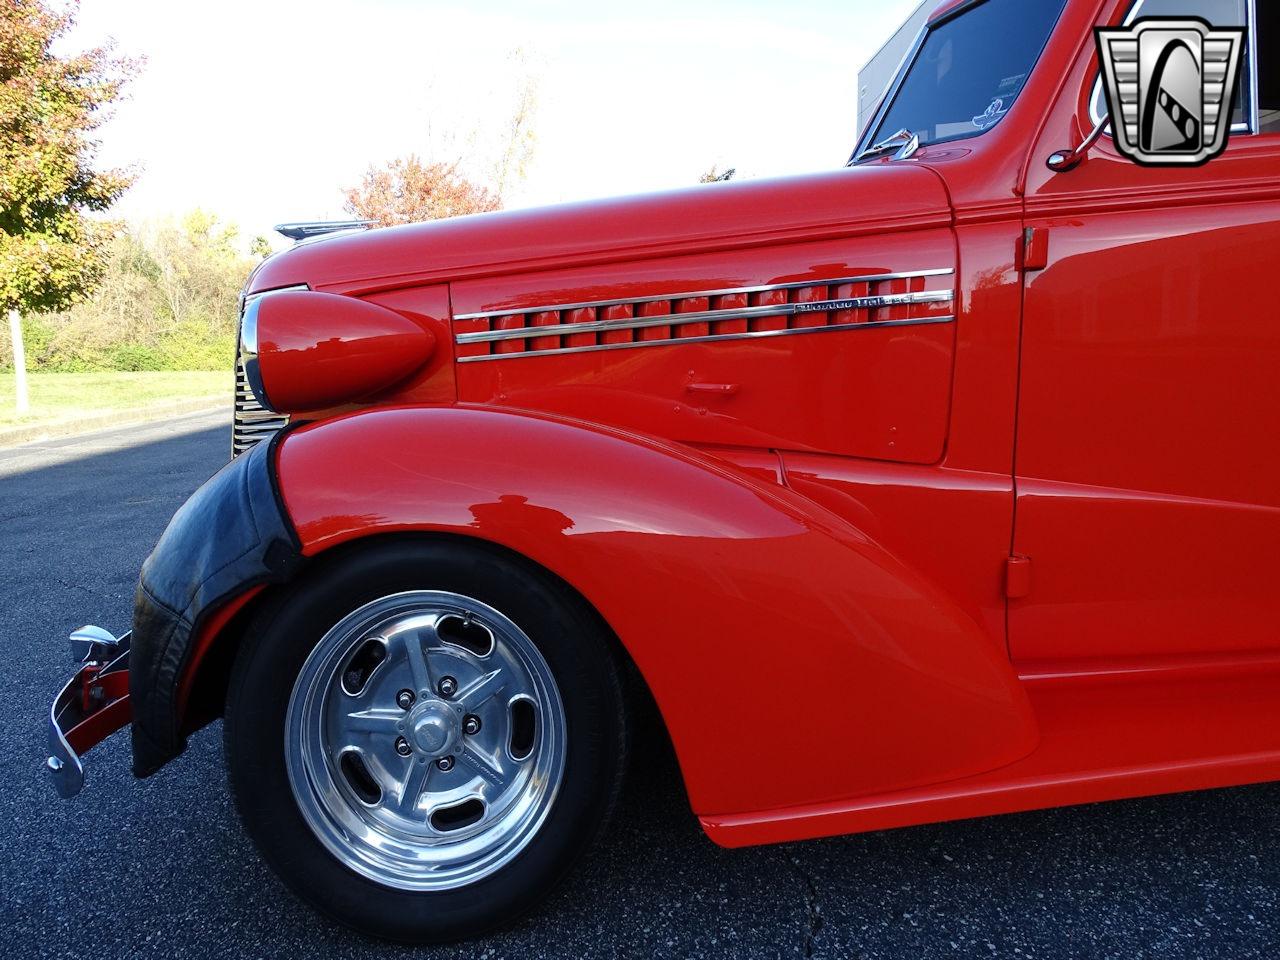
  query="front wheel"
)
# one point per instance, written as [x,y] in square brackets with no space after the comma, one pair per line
[424,735]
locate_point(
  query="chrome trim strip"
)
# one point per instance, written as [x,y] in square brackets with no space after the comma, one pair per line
[249,329]
[708,316]
[638,323]
[816,282]
[246,297]
[675,341]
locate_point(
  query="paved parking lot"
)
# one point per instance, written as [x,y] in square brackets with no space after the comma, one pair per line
[162,868]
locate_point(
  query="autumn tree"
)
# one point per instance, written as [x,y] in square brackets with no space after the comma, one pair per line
[464,170]
[517,137]
[51,251]
[410,190]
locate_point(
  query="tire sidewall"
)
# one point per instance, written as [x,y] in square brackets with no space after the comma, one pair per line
[271,657]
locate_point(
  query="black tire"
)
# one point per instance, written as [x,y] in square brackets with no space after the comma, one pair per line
[576,645]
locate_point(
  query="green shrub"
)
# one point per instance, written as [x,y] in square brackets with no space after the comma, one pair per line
[167,301]
[134,358]
[193,347]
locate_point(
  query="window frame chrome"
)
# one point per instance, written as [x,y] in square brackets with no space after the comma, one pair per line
[1255,69]
[899,77]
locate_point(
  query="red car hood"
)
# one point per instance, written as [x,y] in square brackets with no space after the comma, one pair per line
[854,201]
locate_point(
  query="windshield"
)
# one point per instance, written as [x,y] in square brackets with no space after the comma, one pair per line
[969,70]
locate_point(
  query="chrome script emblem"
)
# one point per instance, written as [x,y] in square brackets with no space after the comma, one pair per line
[870,303]
[1169,86]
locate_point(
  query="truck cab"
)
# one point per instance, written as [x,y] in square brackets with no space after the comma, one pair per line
[938,484]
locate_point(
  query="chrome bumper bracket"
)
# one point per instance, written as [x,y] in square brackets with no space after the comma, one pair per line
[92,705]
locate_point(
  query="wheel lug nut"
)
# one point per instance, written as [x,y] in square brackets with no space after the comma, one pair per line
[402,747]
[471,724]
[445,763]
[404,699]
[448,686]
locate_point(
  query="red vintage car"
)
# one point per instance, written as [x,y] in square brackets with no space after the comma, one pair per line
[939,485]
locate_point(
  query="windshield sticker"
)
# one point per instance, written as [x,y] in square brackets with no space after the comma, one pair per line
[995,110]
[1010,85]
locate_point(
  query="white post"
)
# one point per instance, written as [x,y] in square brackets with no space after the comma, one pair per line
[19,361]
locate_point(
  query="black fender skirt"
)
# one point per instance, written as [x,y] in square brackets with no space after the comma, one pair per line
[233,534]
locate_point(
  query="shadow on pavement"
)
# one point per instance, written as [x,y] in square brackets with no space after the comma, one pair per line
[161,867]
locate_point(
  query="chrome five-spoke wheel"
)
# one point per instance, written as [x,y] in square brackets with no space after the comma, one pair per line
[425,740]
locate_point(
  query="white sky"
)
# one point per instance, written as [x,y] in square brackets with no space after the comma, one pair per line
[262,111]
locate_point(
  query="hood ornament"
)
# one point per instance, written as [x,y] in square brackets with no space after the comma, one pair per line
[309,229]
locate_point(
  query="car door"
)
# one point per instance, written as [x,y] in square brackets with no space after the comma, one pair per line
[1147,466]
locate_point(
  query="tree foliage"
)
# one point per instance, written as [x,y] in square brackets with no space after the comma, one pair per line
[167,300]
[464,170]
[410,190]
[51,251]
[517,138]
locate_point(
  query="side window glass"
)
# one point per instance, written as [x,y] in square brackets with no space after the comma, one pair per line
[961,82]
[1220,13]
[1267,44]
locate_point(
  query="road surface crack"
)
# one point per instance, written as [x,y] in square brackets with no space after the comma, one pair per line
[89,590]
[812,908]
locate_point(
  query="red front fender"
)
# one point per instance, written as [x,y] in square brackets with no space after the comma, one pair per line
[793,659]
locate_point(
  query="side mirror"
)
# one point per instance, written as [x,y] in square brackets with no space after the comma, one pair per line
[1065,160]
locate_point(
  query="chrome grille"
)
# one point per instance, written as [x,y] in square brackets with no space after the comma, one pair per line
[251,422]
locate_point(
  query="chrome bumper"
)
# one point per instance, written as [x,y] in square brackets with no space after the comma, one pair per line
[93,705]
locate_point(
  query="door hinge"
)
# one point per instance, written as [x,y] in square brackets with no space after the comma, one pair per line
[1017,577]
[1033,250]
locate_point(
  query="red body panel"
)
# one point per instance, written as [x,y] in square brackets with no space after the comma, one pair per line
[845,381]
[1148,479]
[1102,740]
[698,220]
[708,576]
[1005,543]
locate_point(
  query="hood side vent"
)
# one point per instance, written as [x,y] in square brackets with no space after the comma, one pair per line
[841,303]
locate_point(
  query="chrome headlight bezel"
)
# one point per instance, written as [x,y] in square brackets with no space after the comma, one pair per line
[252,421]
[249,352]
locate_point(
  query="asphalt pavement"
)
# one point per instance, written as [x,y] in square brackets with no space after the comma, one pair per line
[162,867]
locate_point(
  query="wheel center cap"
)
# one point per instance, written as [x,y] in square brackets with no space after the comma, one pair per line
[434,728]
